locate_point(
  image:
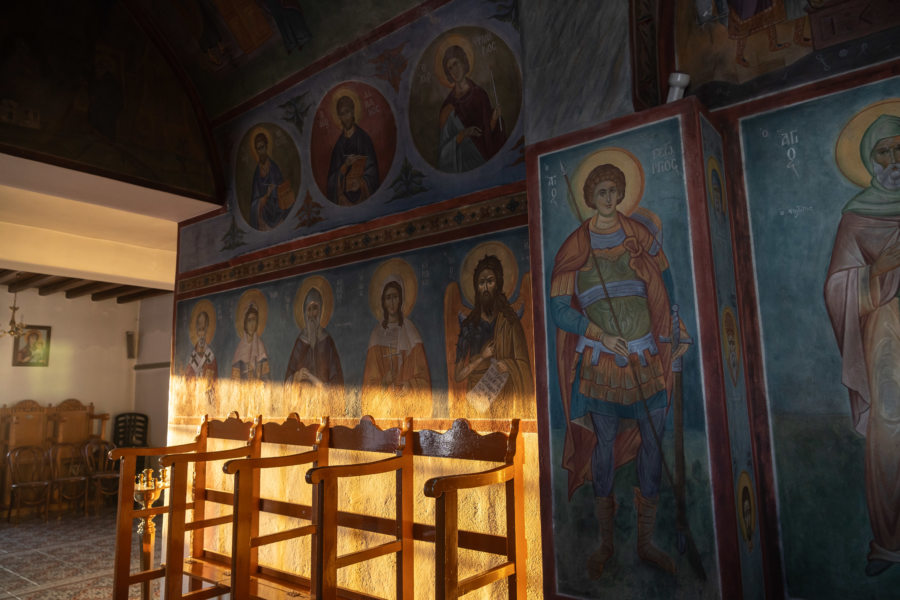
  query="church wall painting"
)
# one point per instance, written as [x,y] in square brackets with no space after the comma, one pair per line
[720,210]
[593,512]
[258,354]
[406,97]
[809,169]
[736,50]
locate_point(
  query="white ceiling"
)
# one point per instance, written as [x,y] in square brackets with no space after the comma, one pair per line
[64,222]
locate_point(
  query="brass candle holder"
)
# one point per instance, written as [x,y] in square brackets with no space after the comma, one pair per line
[147,490]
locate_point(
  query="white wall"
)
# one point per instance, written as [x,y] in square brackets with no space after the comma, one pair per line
[151,394]
[87,359]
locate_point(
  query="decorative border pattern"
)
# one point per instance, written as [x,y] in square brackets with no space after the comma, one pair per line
[497,213]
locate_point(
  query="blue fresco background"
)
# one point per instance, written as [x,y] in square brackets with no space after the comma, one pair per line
[574,525]
[352,321]
[202,243]
[795,204]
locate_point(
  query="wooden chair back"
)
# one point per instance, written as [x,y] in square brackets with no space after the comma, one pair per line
[306,444]
[74,422]
[365,437]
[202,565]
[103,470]
[29,473]
[232,428]
[69,474]
[460,442]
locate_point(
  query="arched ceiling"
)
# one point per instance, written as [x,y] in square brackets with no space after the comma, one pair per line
[107,109]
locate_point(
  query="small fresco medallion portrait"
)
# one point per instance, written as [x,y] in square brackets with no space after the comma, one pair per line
[267,176]
[353,142]
[465,99]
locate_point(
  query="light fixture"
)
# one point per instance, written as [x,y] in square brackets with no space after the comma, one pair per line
[15,329]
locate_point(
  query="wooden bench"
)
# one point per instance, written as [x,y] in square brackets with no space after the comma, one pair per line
[231,429]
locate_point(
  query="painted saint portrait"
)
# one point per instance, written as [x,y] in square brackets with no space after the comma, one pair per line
[731,344]
[33,348]
[489,348]
[861,295]
[267,176]
[202,364]
[465,99]
[746,508]
[353,142]
[611,301]
[250,360]
[715,186]
[314,379]
[396,378]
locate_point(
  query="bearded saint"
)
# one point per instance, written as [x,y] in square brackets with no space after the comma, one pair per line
[493,334]
[861,297]
[315,365]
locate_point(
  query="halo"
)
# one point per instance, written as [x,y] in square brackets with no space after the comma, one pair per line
[336,95]
[210,310]
[256,131]
[712,165]
[320,283]
[744,482]
[619,157]
[846,150]
[454,39]
[395,269]
[507,260]
[256,297]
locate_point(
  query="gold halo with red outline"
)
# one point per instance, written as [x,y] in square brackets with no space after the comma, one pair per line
[337,95]
[256,297]
[712,166]
[320,283]
[394,269]
[454,39]
[210,310]
[507,261]
[256,131]
[626,162]
[846,149]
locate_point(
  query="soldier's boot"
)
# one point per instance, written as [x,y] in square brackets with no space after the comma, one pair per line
[646,520]
[606,512]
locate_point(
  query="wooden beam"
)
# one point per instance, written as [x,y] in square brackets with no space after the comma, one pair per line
[148,293]
[29,281]
[89,288]
[113,292]
[6,274]
[61,284]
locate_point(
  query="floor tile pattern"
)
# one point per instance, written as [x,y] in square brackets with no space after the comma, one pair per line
[67,558]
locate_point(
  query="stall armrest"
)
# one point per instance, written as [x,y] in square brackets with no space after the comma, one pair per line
[438,485]
[317,474]
[288,460]
[170,459]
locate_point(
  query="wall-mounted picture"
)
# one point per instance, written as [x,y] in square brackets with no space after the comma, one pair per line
[33,348]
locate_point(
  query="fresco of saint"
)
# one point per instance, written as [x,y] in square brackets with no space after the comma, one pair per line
[271,197]
[861,295]
[396,379]
[488,350]
[353,173]
[471,129]
[202,364]
[610,302]
[314,377]
[251,361]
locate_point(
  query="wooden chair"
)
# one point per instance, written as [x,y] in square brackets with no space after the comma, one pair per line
[460,442]
[250,579]
[25,424]
[102,470]
[202,565]
[230,429]
[29,472]
[74,422]
[367,437]
[69,475]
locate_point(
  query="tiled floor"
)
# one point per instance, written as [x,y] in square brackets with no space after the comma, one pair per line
[67,558]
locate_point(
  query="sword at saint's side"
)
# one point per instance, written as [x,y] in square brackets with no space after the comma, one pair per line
[686,539]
